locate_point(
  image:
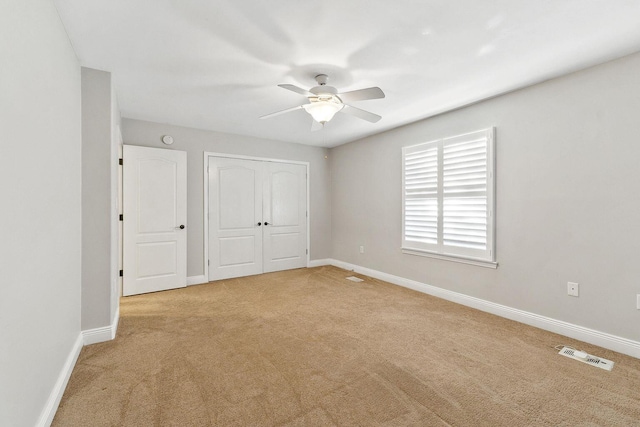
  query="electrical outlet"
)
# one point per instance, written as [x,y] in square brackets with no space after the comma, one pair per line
[361,249]
[573,289]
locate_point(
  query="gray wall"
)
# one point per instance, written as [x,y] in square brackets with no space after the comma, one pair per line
[196,142]
[40,247]
[114,222]
[568,199]
[98,201]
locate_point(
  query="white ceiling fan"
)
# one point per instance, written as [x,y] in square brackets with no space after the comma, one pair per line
[325,102]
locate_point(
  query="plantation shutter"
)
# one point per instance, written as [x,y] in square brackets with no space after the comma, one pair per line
[421,207]
[448,196]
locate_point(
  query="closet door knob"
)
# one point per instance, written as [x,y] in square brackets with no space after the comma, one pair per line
[259,224]
[266,223]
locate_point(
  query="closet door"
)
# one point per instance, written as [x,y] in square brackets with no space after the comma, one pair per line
[285,215]
[155,214]
[235,217]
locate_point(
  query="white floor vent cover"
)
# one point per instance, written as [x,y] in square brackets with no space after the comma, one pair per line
[355,279]
[587,358]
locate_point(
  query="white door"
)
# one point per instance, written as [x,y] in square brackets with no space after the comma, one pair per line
[257,217]
[154,219]
[285,213]
[235,218]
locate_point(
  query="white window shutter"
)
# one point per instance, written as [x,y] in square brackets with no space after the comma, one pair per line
[465,216]
[421,208]
[448,196]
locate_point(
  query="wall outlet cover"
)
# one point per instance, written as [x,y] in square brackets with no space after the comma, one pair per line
[573,289]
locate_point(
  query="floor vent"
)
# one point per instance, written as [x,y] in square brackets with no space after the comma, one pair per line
[589,359]
[355,279]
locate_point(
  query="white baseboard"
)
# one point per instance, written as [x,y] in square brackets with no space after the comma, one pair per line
[318,262]
[106,333]
[196,280]
[602,339]
[49,411]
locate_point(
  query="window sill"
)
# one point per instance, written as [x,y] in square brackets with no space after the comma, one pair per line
[452,258]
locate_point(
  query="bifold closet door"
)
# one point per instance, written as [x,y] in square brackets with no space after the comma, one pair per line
[257,217]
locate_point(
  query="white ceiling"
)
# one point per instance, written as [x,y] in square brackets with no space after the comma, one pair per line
[215,64]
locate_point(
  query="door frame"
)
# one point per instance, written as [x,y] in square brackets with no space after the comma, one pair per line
[207,155]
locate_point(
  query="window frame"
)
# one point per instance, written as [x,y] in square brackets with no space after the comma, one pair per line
[485,257]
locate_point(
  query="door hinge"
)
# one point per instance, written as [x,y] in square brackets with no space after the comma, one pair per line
[121,273]
[121,216]
[119,161]
[208,262]
[307,251]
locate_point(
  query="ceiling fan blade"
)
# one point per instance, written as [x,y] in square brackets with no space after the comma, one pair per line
[277,113]
[315,126]
[361,114]
[362,94]
[296,89]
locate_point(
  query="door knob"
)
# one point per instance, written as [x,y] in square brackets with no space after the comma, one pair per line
[266,223]
[259,224]
[181,227]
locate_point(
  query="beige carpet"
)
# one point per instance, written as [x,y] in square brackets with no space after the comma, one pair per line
[309,348]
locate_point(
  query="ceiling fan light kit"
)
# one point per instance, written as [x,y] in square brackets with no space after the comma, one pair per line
[325,101]
[322,111]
